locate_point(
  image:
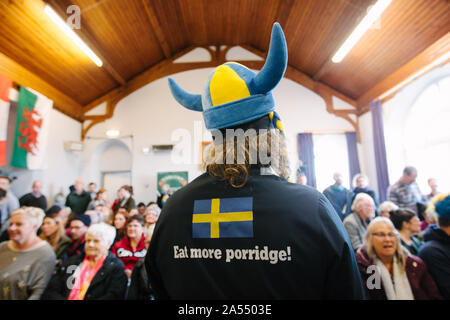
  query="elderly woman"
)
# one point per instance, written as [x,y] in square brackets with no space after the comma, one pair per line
[408,225]
[26,261]
[356,223]
[386,207]
[151,216]
[52,231]
[131,248]
[388,270]
[98,275]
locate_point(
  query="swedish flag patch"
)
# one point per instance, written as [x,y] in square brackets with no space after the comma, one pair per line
[223,218]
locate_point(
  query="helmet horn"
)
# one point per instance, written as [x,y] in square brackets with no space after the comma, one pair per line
[275,66]
[186,99]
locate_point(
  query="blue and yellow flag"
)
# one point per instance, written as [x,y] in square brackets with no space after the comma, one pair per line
[223,218]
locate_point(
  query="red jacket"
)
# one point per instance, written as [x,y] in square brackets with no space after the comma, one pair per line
[122,250]
[422,285]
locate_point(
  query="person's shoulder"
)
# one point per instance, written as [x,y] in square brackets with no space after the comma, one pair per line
[64,239]
[113,261]
[25,196]
[4,245]
[432,248]
[120,243]
[415,263]
[349,218]
[45,249]
[362,257]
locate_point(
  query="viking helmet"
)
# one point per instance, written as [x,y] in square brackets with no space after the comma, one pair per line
[234,94]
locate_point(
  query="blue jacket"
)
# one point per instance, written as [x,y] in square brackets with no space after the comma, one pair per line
[436,254]
[339,197]
[293,247]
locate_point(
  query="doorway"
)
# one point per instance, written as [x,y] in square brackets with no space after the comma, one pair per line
[113,180]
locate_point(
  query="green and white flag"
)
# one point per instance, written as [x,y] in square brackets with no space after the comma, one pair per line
[32,126]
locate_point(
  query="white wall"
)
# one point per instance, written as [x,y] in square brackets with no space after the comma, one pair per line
[151,115]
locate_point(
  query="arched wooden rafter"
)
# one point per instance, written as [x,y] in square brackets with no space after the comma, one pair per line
[218,57]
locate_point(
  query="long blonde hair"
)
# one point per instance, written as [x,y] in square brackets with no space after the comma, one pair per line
[54,238]
[401,253]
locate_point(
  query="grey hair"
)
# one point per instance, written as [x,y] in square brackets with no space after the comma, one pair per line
[35,215]
[359,197]
[155,208]
[357,176]
[409,170]
[386,204]
[104,231]
[401,253]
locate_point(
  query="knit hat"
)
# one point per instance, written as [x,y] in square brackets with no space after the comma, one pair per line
[442,208]
[4,174]
[234,94]
[83,218]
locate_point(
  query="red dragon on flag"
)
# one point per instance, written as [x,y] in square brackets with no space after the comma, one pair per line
[29,130]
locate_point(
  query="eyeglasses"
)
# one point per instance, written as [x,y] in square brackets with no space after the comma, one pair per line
[384,235]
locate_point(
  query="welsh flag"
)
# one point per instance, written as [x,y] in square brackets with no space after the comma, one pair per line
[32,126]
[5,86]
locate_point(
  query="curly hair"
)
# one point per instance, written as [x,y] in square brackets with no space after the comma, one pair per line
[230,159]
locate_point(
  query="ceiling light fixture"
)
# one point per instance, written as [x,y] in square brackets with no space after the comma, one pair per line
[371,16]
[72,35]
[112,133]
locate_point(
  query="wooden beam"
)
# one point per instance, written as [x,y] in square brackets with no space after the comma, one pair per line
[305,80]
[283,11]
[23,77]
[93,44]
[167,67]
[434,55]
[153,19]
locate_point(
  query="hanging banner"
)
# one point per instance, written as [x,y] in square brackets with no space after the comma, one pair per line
[5,86]
[175,180]
[32,127]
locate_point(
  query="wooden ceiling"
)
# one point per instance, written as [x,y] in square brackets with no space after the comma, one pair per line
[133,37]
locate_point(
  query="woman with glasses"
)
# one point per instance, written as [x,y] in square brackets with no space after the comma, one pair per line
[132,247]
[388,270]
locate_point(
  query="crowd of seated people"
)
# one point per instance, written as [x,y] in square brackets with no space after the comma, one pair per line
[91,248]
[86,249]
[402,245]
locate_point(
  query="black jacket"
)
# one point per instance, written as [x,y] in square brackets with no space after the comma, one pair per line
[110,282]
[139,287]
[29,200]
[436,254]
[300,249]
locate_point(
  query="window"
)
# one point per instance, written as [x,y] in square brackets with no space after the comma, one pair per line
[427,135]
[330,156]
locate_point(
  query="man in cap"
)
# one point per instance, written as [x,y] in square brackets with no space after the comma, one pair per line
[241,230]
[77,231]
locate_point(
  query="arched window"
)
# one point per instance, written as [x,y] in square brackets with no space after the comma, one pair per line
[427,135]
